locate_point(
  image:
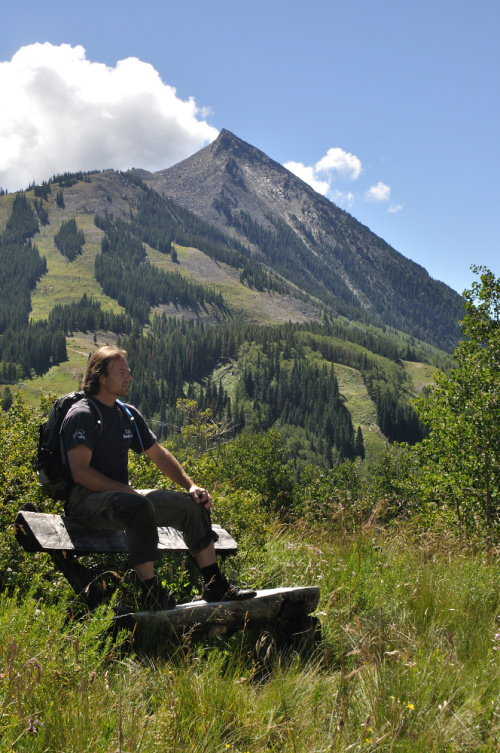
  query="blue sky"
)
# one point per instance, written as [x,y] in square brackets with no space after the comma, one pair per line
[390,107]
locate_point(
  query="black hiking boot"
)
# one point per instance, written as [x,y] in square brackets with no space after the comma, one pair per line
[223,590]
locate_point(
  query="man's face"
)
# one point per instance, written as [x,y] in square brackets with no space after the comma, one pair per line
[116,382]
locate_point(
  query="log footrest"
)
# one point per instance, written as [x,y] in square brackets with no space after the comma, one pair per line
[288,609]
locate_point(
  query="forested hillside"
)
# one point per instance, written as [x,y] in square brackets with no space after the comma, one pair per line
[24,345]
[183,298]
[279,376]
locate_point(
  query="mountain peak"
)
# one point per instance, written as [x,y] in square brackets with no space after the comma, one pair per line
[227,142]
[308,240]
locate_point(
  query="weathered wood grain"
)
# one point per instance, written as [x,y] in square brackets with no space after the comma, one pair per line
[271,606]
[43,532]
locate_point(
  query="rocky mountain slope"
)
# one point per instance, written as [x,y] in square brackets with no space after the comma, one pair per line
[308,240]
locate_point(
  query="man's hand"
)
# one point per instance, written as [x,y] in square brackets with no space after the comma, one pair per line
[201,496]
[171,468]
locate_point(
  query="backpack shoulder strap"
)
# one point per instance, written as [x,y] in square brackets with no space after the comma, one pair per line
[93,404]
[99,423]
[132,419]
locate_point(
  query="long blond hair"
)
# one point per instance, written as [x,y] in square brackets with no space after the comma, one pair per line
[97,366]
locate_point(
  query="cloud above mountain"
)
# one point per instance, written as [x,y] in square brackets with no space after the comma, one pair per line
[338,162]
[309,175]
[337,166]
[62,112]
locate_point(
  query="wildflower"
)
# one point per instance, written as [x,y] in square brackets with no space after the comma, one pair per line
[33,726]
[411,706]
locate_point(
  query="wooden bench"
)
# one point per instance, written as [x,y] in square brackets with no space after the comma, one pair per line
[286,610]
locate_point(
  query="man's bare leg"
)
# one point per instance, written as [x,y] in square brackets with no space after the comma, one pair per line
[145,570]
[207,556]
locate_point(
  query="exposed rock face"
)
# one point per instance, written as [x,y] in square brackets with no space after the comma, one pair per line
[230,178]
[243,176]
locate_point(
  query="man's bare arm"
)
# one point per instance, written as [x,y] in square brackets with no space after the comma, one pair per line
[172,469]
[79,458]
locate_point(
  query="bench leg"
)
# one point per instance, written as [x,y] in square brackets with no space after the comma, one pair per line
[79,578]
[302,632]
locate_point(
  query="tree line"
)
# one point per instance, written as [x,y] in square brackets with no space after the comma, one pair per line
[26,346]
[87,315]
[126,275]
[161,222]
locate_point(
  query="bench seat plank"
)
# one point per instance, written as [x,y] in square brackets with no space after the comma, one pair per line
[45,532]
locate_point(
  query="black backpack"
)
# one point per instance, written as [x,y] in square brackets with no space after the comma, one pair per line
[51,462]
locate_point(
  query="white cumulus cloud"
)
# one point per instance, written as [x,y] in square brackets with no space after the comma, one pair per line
[337,161]
[336,164]
[62,112]
[379,192]
[308,175]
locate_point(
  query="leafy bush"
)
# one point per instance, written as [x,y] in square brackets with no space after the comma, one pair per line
[18,485]
[257,463]
[460,460]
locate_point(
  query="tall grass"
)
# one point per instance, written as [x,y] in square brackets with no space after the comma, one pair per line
[407,662]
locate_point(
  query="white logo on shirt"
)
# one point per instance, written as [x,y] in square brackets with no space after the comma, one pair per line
[128,434]
[79,434]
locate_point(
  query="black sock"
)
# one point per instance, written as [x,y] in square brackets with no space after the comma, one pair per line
[211,574]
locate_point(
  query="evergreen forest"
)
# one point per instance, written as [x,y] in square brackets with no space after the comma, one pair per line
[29,346]
[254,377]
[69,240]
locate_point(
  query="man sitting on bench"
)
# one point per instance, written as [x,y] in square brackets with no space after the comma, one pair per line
[102,497]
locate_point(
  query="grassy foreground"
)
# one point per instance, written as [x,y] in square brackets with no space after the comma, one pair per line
[407,662]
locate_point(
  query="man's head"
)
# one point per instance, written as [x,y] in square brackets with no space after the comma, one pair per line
[98,368]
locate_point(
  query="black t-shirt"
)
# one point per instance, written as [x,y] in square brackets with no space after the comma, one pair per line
[111,443]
